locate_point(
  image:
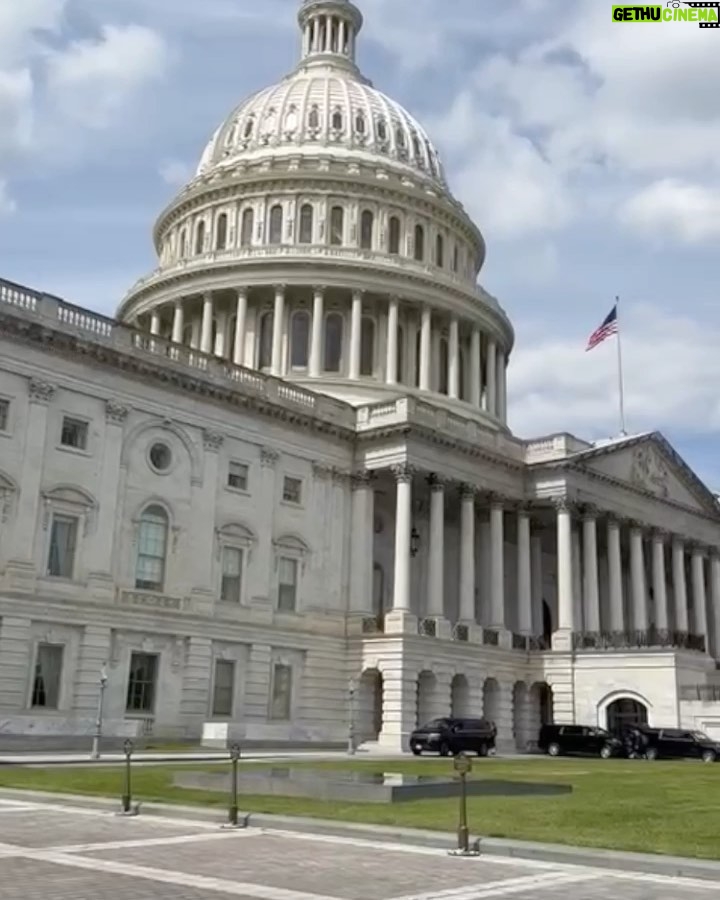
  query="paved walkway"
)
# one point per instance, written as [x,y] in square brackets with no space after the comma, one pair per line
[53,852]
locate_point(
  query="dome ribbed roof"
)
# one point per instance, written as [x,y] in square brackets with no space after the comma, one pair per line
[325,106]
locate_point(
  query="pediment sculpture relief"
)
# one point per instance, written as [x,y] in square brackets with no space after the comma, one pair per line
[649,472]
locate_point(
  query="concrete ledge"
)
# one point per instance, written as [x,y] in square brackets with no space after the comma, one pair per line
[645,863]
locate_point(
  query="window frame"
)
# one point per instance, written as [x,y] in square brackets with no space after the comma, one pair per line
[56,516]
[232,665]
[234,548]
[150,710]
[138,586]
[247,226]
[336,231]
[327,360]
[39,646]
[272,698]
[300,367]
[275,226]
[291,548]
[232,487]
[370,346]
[221,231]
[84,425]
[306,224]
[300,490]
[367,215]
[5,408]
[199,238]
[394,236]
[264,360]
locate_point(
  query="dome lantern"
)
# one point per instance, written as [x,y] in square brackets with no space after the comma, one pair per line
[329,32]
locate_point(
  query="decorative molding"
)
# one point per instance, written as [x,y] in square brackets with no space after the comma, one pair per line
[322,472]
[468,492]
[403,473]
[437,483]
[362,479]
[115,413]
[268,457]
[649,472]
[563,505]
[212,440]
[589,512]
[339,477]
[41,391]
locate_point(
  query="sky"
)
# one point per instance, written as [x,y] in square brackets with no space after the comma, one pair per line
[586,150]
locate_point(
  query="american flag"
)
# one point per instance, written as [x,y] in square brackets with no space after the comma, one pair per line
[608,328]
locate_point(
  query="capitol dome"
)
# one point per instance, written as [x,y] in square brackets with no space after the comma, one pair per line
[319,242]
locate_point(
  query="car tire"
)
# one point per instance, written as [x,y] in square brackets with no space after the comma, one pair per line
[606,752]
[483,750]
[416,751]
[554,750]
[444,749]
[651,754]
[709,756]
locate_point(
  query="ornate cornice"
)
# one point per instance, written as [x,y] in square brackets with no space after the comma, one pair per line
[322,472]
[268,457]
[41,391]
[362,479]
[115,413]
[403,473]
[212,440]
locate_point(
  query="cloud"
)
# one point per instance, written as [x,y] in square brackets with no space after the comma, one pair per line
[556,386]
[175,172]
[7,204]
[675,210]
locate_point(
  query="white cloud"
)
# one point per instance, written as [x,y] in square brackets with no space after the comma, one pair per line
[7,204]
[175,172]
[675,210]
[671,365]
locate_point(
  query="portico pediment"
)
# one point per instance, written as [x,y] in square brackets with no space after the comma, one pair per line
[649,463]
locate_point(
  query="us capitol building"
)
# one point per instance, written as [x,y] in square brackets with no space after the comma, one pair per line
[277,499]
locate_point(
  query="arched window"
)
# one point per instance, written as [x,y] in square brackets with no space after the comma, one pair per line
[265,341]
[419,243]
[455,258]
[440,251]
[400,137]
[249,125]
[394,235]
[400,374]
[187,335]
[299,340]
[333,342]
[381,130]
[276,224]
[337,120]
[200,237]
[360,123]
[306,224]
[443,374]
[152,550]
[222,230]
[246,230]
[367,347]
[367,225]
[337,223]
[416,147]
[183,243]
[314,118]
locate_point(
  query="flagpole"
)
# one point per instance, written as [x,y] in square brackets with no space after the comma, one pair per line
[621,384]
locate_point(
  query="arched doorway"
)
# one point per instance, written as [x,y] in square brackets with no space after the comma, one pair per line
[625,711]
[521,723]
[428,699]
[491,700]
[460,697]
[369,714]
[539,709]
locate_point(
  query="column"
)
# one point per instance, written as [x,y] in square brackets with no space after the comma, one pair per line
[178,322]
[577,589]
[436,553]
[361,552]
[356,335]
[467,554]
[715,601]
[207,324]
[680,587]
[699,593]
[659,581]
[425,349]
[475,369]
[316,340]
[565,567]
[491,379]
[341,36]
[497,564]
[277,338]
[500,385]
[403,527]
[155,322]
[637,572]
[591,584]
[454,359]
[536,581]
[391,372]
[617,610]
[524,573]
[222,323]
[240,322]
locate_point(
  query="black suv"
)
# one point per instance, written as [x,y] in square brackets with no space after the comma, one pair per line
[453,736]
[578,740]
[669,743]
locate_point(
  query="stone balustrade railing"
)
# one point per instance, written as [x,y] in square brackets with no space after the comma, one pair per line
[652,639]
[557,446]
[700,693]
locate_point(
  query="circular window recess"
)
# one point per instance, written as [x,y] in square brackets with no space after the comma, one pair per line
[160,457]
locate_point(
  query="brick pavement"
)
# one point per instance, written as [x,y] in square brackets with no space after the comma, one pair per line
[50,852]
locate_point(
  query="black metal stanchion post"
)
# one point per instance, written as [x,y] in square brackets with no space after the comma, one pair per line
[233,813]
[127,793]
[463,767]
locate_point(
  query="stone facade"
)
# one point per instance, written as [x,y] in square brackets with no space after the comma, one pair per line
[278,493]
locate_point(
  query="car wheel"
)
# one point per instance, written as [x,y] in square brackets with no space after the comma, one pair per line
[483,750]
[606,752]
[444,749]
[416,751]
[651,754]
[709,756]
[554,750]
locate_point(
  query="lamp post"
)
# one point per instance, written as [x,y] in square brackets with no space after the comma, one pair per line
[99,720]
[351,724]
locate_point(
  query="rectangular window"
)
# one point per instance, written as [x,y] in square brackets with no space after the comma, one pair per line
[232,565]
[281,701]
[238,476]
[223,688]
[142,682]
[74,433]
[287,584]
[292,490]
[63,540]
[4,414]
[48,671]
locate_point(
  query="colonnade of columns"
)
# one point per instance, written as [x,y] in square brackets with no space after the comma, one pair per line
[474,367]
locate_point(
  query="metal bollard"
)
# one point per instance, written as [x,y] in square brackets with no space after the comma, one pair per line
[233,812]
[463,767]
[127,795]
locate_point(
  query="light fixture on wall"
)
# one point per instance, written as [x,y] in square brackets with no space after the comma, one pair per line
[414,542]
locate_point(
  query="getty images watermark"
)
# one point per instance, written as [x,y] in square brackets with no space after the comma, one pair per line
[707,15]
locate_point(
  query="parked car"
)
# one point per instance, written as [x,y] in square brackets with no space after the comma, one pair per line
[578,740]
[670,743]
[453,736]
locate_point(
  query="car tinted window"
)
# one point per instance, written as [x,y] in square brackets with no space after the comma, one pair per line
[700,736]
[436,723]
[671,733]
[573,730]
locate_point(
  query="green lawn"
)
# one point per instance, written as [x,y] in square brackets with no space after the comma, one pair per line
[670,808]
